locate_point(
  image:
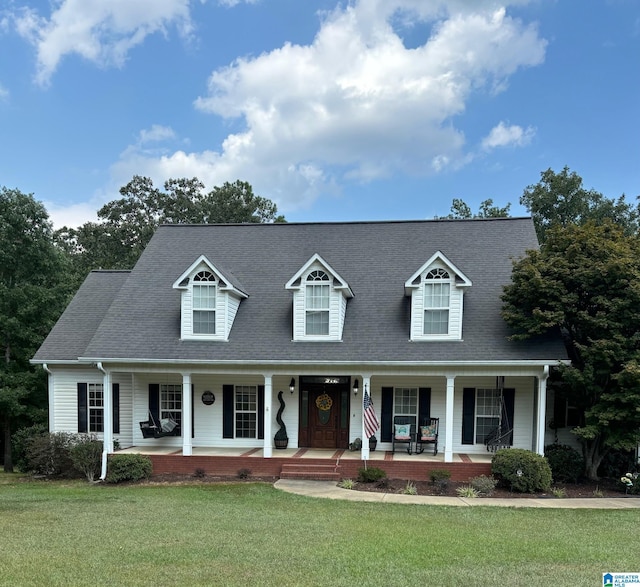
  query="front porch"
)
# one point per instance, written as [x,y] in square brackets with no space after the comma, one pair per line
[304,463]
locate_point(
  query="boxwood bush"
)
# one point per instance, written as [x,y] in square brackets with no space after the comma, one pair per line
[370,474]
[567,464]
[521,470]
[128,467]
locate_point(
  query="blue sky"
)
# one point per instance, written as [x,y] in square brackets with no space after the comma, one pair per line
[352,110]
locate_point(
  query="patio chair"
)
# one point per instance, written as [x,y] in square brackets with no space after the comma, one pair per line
[404,432]
[427,433]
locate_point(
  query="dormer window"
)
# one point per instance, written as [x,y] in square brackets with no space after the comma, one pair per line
[436,302]
[319,301]
[317,304]
[209,302]
[204,303]
[436,290]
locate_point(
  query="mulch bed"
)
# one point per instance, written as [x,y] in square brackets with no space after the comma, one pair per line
[594,489]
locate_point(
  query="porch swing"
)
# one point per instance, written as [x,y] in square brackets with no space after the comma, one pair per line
[166,427]
[501,435]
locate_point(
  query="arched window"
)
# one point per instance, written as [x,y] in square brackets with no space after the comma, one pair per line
[317,304]
[204,303]
[437,288]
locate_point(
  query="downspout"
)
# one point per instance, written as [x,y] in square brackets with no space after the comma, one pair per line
[49,373]
[105,450]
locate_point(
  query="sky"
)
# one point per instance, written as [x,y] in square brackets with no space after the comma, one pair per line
[337,111]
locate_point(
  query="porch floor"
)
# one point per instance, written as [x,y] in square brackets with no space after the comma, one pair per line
[310,453]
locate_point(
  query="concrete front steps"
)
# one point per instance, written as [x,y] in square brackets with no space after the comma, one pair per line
[311,471]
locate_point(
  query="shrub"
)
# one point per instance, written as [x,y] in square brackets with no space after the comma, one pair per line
[346,484]
[49,454]
[244,473]
[410,489]
[128,467]
[467,491]
[20,441]
[567,464]
[439,474]
[199,473]
[616,463]
[483,485]
[558,492]
[521,470]
[86,456]
[370,475]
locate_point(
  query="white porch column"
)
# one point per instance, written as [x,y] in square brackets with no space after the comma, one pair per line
[187,410]
[448,419]
[542,410]
[267,448]
[366,384]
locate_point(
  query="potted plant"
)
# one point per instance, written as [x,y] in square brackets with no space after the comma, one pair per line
[373,442]
[281,440]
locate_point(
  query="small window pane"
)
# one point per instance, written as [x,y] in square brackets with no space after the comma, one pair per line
[96,407]
[436,322]
[317,322]
[246,411]
[204,322]
[405,401]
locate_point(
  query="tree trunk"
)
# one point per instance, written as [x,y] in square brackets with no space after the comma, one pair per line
[8,460]
[592,457]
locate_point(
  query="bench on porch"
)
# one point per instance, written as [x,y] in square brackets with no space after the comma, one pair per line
[165,427]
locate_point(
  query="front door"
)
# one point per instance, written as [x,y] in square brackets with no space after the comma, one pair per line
[324,410]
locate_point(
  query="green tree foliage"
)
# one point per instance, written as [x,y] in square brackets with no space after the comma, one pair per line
[461,211]
[33,292]
[585,283]
[560,199]
[126,225]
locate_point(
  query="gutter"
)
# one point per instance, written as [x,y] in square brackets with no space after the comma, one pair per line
[105,450]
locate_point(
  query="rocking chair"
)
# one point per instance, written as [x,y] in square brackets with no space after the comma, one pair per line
[428,434]
[404,432]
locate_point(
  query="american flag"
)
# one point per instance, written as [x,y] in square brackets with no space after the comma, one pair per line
[371,423]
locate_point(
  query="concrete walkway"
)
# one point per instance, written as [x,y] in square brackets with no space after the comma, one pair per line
[330,490]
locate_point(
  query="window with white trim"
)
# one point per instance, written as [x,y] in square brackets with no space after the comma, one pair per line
[171,402]
[317,304]
[204,303]
[488,406]
[405,401]
[95,397]
[246,412]
[437,288]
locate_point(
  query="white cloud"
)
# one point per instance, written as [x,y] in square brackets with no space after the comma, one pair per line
[4,93]
[73,215]
[232,3]
[507,136]
[356,103]
[102,31]
[156,133]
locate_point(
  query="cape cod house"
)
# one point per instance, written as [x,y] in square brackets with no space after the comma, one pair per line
[187,352]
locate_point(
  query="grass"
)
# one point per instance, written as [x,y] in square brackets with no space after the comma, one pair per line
[72,533]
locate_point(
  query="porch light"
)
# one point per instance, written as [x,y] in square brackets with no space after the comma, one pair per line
[356,386]
[292,385]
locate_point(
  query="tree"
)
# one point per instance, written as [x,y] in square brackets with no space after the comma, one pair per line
[585,283]
[33,292]
[559,199]
[127,225]
[461,211]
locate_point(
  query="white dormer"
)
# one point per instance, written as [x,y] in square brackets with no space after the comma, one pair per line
[436,291]
[209,302]
[319,301]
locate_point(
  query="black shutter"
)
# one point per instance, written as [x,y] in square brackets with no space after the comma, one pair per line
[559,410]
[509,396]
[115,408]
[227,411]
[83,415]
[424,404]
[261,414]
[154,402]
[386,414]
[468,414]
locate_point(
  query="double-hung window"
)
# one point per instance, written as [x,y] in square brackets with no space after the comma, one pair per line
[488,406]
[436,302]
[317,304]
[204,303]
[171,402]
[405,401]
[246,412]
[96,407]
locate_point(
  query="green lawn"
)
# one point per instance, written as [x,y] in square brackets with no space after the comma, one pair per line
[71,533]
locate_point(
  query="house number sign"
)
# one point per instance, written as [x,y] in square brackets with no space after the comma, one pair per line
[208,398]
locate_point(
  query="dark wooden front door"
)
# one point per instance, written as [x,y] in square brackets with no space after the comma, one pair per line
[324,412]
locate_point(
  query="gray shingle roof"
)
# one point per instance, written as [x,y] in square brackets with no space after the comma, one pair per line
[375,258]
